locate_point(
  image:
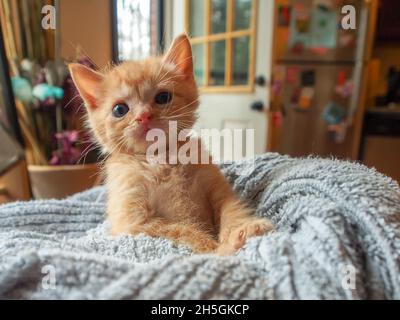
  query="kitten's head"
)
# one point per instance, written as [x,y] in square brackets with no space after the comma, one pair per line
[137,96]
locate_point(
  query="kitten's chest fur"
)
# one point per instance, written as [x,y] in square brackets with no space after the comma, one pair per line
[174,192]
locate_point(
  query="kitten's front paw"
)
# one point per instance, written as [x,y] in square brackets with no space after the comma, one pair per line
[204,245]
[238,236]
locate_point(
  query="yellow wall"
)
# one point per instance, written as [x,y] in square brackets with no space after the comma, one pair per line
[86,23]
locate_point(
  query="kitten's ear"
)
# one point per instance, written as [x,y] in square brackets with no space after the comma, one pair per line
[180,54]
[86,81]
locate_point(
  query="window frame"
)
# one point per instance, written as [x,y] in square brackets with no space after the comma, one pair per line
[228,36]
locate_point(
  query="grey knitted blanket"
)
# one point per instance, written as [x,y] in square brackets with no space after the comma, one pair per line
[337,236]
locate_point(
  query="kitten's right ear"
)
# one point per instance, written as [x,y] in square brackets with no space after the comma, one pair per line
[87,82]
[180,54]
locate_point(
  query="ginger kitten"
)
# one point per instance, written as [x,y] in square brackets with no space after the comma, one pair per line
[191,204]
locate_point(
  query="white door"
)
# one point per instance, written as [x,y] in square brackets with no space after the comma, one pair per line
[226,75]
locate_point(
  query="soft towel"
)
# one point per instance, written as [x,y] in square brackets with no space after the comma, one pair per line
[337,236]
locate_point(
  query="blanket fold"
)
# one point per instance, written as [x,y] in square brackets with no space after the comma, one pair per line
[337,236]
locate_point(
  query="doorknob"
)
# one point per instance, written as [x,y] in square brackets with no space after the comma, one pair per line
[257,105]
[260,81]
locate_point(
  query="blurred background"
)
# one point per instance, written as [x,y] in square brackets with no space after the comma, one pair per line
[311,77]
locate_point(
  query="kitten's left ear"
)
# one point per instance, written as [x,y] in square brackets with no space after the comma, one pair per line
[87,82]
[180,54]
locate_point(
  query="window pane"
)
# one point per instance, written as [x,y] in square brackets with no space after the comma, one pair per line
[241,49]
[134,31]
[218,16]
[242,14]
[196,18]
[198,61]
[217,71]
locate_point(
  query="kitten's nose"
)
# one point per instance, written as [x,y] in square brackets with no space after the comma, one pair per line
[144,118]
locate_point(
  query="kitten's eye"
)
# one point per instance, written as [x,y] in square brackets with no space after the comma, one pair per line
[163,97]
[120,110]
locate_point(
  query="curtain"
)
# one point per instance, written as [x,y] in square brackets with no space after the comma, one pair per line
[23,34]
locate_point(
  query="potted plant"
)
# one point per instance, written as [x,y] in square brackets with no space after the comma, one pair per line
[61,159]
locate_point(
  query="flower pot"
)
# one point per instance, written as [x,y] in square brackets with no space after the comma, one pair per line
[49,182]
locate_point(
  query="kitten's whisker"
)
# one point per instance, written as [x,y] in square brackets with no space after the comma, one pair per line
[164,81]
[180,113]
[162,65]
[116,146]
[184,124]
[165,76]
[79,108]
[176,117]
[122,146]
[87,56]
[120,141]
[86,152]
[163,112]
[102,162]
[84,159]
[70,101]
[176,111]
[184,121]
[170,103]
[89,146]
[190,103]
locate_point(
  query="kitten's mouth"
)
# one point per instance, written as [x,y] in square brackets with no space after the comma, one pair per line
[145,129]
[138,131]
[142,131]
